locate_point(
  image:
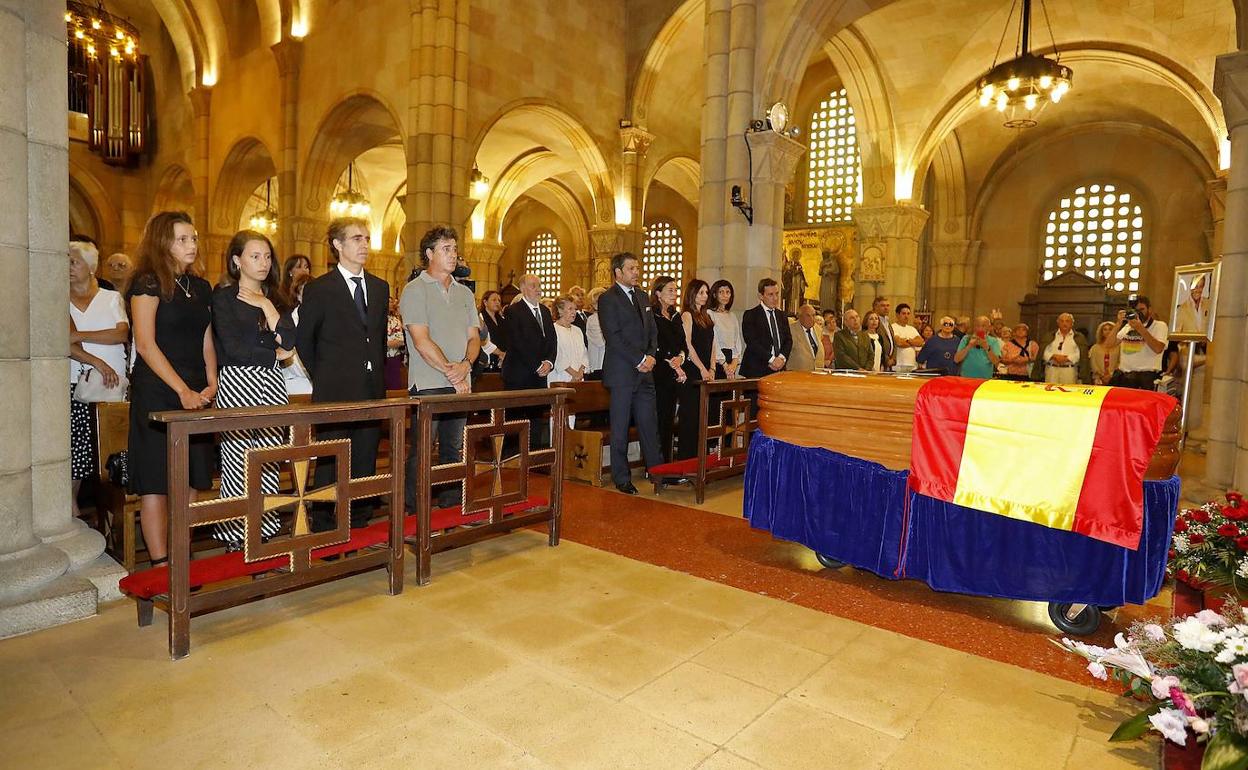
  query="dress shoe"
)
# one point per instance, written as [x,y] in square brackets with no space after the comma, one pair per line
[627,488]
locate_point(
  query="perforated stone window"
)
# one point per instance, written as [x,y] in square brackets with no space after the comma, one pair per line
[1098,230]
[544,258]
[834,182]
[663,252]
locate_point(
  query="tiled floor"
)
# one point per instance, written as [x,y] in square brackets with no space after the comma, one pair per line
[519,655]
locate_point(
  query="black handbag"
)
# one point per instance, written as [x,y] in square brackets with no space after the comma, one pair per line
[117,467]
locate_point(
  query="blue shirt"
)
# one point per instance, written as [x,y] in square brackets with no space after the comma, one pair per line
[976,364]
[938,352]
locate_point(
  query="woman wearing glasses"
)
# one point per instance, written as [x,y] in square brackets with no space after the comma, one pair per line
[940,348]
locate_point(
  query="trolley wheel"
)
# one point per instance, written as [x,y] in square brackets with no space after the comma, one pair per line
[828,561]
[1075,619]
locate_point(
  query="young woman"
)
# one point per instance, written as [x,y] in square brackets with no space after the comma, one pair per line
[669,373]
[175,366]
[295,266]
[98,334]
[252,337]
[699,329]
[596,343]
[571,357]
[293,371]
[871,325]
[494,347]
[728,342]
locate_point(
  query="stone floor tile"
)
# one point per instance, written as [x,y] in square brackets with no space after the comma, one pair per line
[611,664]
[761,660]
[702,702]
[790,736]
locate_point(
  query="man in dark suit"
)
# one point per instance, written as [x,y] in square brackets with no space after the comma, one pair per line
[342,342]
[581,319]
[768,341]
[529,330]
[631,346]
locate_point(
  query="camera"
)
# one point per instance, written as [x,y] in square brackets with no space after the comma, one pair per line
[1131,315]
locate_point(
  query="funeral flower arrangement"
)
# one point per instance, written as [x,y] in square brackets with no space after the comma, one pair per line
[1193,673]
[1210,544]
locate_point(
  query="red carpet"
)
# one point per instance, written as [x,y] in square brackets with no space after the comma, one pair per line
[728,551]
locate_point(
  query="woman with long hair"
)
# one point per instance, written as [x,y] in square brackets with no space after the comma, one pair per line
[699,329]
[293,370]
[175,366]
[494,347]
[728,342]
[871,325]
[595,342]
[669,372]
[1104,359]
[295,266]
[252,337]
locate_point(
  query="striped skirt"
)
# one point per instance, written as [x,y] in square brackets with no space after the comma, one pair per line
[249,386]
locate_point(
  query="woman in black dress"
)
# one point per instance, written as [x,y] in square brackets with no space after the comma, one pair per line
[699,330]
[669,374]
[252,337]
[494,347]
[175,365]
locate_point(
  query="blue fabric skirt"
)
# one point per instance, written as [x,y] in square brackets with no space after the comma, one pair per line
[854,511]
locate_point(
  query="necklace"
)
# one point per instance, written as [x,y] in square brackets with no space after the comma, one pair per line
[185,289]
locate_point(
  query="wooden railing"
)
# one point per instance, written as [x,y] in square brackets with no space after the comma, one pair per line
[730,403]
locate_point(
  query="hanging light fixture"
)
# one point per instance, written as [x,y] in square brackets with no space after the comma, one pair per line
[265,220]
[1026,84]
[106,80]
[350,203]
[478,184]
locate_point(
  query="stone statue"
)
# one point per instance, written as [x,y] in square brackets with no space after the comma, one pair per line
[829,272]
[793,281]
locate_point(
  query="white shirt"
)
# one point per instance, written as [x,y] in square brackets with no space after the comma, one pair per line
[727,335]
[772,317]
[1064,344]
[877,348]
[105,311]
[569,353]
[1135,355]
[349,277]
[905,356]
[293,370]
[597,343]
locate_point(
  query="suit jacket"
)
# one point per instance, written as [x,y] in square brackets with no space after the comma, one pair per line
[581,321]
[344,356]
[528,345]
[1084,366]
[852,352]
[757,339]
[887,343]
[629,337]
[804,360]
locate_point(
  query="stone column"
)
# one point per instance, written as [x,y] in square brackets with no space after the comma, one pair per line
[39,540]
[604,242]
[888,248]
[713,198]
[201,107]
[289,55]
[483,257]
[737,241]
[775,157]
[1227,463]
[634,142]
[953,276]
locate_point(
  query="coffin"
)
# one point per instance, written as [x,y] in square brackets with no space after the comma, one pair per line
[870,416]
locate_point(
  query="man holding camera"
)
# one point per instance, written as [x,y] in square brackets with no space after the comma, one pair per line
[1142,340]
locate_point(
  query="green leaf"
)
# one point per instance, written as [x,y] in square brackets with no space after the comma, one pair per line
[1136,726]
[1226,751]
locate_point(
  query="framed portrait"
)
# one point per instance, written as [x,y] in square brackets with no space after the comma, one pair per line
[1194,306]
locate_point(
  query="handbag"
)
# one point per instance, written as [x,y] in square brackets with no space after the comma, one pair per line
[91,389]
[117,467]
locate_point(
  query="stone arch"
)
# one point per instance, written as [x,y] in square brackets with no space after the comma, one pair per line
[682,173]
[175,192]
[356,124]
[247,164]
[533,139]
[90,206]
[657,56]
[858,66]
[199,37]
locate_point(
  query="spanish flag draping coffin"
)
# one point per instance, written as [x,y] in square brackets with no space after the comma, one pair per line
[963,456]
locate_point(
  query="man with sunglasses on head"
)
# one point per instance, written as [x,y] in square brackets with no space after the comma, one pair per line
[1141,339]
[1063,355]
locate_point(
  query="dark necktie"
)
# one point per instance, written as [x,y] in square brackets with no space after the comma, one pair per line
[537,313]
[814,346]
[632,295]
[775,332]
[358,293]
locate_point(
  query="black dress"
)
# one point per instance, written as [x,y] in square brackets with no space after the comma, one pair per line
[180,326]
[671,338]
[703,338]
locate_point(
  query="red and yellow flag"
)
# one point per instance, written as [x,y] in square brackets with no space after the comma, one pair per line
[1070,457]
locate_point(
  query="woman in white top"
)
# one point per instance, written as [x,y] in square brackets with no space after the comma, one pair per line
[99,330]
[593,330]
[571,358]
[297,381]
[871,325]
[728,342]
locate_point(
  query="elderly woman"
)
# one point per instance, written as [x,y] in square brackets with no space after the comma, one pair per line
[98,332]
[593,331]
[1104,359]
[1018,353]
[571,358]
[940,348]
[979,352]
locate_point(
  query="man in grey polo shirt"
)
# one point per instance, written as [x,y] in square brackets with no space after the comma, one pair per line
[441,319]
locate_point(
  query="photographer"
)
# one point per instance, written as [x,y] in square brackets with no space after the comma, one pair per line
[1141,339]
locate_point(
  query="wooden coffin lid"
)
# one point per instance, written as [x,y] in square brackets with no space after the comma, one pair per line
[872,417]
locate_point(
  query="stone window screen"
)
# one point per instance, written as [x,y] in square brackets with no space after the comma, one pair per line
[544,258]
[1097,230]
[662,253]
[834,181]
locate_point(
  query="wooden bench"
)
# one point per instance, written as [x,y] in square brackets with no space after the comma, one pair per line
[730,433]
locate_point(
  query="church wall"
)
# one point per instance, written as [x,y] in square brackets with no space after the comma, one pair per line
[525,221]
[662,202]
[1176,213]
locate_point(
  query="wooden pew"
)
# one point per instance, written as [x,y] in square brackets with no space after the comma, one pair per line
[731,432]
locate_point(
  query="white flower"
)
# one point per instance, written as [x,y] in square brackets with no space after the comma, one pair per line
[1192,634]
[1162,684]
[1232,649]
[1155,632]
[1097,670]
[1242,571]
[1128,660]
[1172,724]
[1198,725]
[1210,618]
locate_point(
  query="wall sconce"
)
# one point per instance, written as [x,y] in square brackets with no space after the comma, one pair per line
[478,184]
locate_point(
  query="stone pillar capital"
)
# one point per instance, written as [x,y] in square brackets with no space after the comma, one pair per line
[635,140]
[901,220]
[775,156]
[1230,83]
[201,101]
[289,55]
[951,253]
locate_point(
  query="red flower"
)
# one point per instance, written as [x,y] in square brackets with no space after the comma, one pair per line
[1201,516]
[1235,498]
[1228,530]
[1171,554]
[1180,525]
[1196,538]
[1241,542]
[1233,513]
[1182,575]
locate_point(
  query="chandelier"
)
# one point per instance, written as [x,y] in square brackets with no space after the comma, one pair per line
[106,80]
[350,203]
[265,220]
[1026,84]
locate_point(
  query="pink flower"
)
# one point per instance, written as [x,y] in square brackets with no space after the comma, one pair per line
[1155,632]
[1240,672]
[1182,702]
[1172,724]
[1161,686]
[1097,670]
[1210,618]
